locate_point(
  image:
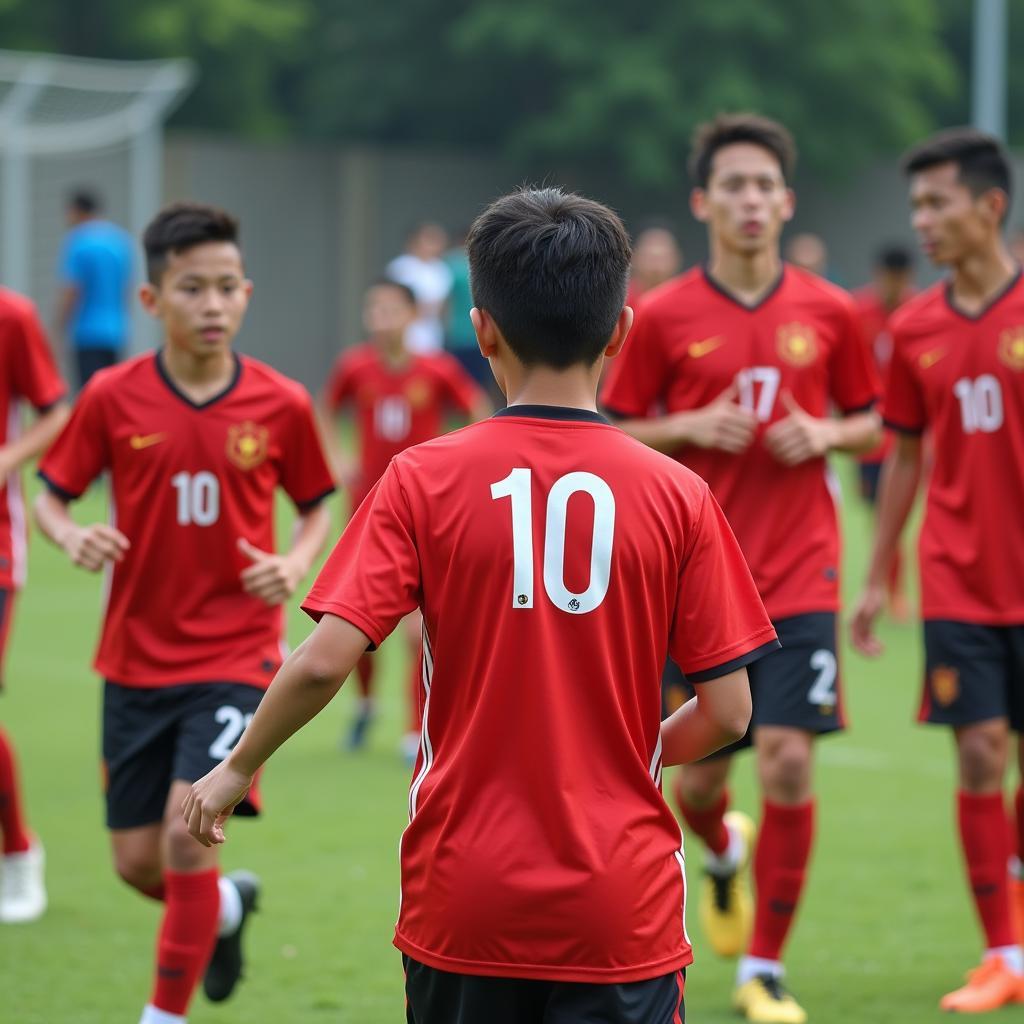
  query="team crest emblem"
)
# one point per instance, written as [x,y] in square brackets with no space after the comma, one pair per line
[247,444]
[417,393]
[797,344]
[945,682]
[1011,348]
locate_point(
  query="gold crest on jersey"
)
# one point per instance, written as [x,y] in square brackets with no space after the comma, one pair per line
[247,444]
[1011,348]
[417,393]
[945,683]
[797,344]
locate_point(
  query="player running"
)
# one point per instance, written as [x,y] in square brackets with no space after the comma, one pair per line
[957,372]
[28,374]
[747,358]
[555,560]
[196,440]
[398,398]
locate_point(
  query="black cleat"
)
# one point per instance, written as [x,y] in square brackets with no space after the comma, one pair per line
[226,965]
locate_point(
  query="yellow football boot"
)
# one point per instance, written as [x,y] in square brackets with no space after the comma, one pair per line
[726,907]
[765,1000]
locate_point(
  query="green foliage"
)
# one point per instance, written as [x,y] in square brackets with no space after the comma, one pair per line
[545,81]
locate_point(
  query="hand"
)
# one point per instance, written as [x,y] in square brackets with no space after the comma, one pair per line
[722,424]
[272,578]
[800,436]
[211,800]
[862,622]
[92,546]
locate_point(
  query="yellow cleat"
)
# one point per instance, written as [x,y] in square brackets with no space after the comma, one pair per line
[765,1000]
[726,907]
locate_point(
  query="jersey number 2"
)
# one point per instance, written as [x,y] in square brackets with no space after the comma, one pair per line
[518,486]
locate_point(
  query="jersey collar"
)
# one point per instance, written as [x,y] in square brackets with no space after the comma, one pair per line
[552,412]
[166,378]
[735,299]
[997,298]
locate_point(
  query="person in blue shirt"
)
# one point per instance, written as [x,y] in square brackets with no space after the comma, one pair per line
[96,276]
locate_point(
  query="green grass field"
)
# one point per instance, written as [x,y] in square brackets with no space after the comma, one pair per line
[885,929]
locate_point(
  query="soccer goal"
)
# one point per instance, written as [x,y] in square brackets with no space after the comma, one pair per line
[66,122]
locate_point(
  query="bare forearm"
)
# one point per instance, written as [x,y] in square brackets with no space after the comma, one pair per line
[38,437]
[53,518]
[718,715]
[857,433]
[663,433]
[311,530]
[901,476]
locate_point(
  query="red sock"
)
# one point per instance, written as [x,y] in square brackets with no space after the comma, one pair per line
[187,936]
[707,822]
[983,834]
[364,674]
[16,836]
[780,868]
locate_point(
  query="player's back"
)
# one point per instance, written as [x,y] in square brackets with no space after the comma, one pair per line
[557,562]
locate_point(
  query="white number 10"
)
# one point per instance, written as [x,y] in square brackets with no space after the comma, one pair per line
[518,486]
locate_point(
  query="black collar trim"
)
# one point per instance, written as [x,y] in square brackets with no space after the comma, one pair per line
[166,378]
[750,308]
[998,297]
[552,412]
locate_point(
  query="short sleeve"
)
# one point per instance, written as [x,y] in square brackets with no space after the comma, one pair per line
[305,475]
[904,408]
[372,577]
[341,384]
[720,624]
[635,379]
[853,379]
[81,451]
[33,372]
[459,389]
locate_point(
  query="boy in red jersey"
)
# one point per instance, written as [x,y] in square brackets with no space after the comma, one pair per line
[555,560]
[747,357]
[28,374]
[398,399]
[196,440]
[957,371]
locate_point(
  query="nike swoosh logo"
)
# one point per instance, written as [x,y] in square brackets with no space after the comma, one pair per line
[699,349]
[140,441]
[930,358]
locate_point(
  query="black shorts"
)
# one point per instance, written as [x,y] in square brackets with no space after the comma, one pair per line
[797,686]
[439,997]
[89,360]
[870,476]
[973,673]
[153,737]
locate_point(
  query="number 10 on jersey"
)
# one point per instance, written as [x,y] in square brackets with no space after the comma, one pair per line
[518,486]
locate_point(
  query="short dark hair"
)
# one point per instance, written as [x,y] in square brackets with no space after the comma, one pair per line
[389,282]
[981,159]
[182,226]
[85,201]
[728,129]
[551,268]
[894,257]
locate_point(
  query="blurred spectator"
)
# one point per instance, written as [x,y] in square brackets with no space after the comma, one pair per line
[656,258]
[423,269]
[96,277]
[808,251]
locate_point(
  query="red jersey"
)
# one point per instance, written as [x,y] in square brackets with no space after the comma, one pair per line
[557,561]
[27,374]
[396,407]
[691,341]
[187,481]
[962,378]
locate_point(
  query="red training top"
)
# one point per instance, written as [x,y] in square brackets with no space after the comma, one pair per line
[691,342]
[962,378]
[557,562]
[187,481]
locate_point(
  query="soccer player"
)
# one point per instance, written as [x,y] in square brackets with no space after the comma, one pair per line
[892,285]
[656,259]
[28,374]
[398,398]
[957,372]
[555,560]
[742,361]
[196,440]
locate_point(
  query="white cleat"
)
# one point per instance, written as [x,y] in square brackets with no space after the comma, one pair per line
[22,890]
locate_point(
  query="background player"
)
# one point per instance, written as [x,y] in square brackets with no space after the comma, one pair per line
[27,374]
[398,398]
[892,284]
[196,440]
[541,870]
[957,371]
[747,358]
